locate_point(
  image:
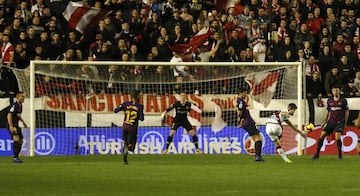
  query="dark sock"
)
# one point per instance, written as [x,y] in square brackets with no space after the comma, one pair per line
[168,141]
[320,144]
[16,149]
[339,146]
[125,154]
[258,145]
[195,140]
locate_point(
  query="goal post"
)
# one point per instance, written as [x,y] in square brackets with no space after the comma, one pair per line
[77,104]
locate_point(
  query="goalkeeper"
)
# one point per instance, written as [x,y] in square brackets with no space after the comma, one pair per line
[274,128]
[182,108]
[13,118]
[134,111]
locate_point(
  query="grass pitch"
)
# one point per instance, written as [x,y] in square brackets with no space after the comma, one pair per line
[180,175]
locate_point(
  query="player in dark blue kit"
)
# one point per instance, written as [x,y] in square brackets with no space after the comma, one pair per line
[13,118]
[182,108]
[134,111]
[247,123]
[335,120]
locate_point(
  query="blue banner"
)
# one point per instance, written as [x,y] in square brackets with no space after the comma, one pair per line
[151,140]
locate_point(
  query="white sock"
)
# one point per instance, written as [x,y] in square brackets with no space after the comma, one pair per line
[281,152]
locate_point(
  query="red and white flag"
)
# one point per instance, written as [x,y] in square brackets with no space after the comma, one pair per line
[224,4]
[83,18]
[201,37]
[263,86]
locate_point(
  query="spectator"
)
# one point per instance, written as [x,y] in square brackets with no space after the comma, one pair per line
[338,46]
[326,59]
[314,90]
[303,35]
[282,31]
[308,50]
[314,25]
[352,58]
[283,47]
[345,31]
[311,67]
[52,27]
[134,54]
[21,58]
[254,33]
[56,47]
[113,76]
[106,53]
[231,55]
[38,6]
[176,37]
[332,77]
[237,37]
[349,90]
[356,48]
[152,29]
[346,69]
[259,50]
[325,33]
[357,79]
[164,52]
[36,25]
[245,18]
[72,41]
[25,13]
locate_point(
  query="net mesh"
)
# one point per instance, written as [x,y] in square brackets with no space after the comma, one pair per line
[75,102]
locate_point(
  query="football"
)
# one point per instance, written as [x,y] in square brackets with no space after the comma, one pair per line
[309,127]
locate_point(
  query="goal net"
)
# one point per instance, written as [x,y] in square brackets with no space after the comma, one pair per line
[70,105]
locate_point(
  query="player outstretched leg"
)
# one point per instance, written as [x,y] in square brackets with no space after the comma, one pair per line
[320,144]
[281,152]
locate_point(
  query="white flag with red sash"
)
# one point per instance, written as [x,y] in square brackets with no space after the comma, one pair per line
[200,38]
[263,86]
[83,18]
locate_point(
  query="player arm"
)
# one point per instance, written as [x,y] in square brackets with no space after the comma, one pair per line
[118,109]
[294,128]
[166,111]
[23,122]
[9,119]
[327,115]
[141,115]
[239,118]
[346,116]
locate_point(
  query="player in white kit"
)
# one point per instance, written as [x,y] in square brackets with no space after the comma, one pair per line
[274,128]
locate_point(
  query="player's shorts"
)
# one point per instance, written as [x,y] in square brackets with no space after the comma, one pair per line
[177,123]
[130,134]
[337,127]
[251,129]
[273,130]
[18,132]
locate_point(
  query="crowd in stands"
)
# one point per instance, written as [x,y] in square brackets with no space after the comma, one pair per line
[322,34]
